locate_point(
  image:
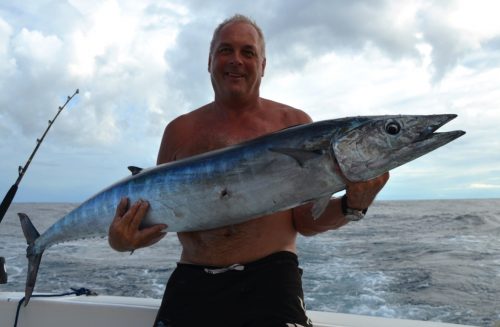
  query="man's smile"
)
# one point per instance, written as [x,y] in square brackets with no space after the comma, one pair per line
[234,75]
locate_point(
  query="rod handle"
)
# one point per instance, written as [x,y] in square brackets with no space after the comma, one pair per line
[7,200]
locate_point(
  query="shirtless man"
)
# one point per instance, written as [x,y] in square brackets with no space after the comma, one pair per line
[246,274]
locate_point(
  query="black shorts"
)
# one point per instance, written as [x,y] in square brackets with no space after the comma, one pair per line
[267,292]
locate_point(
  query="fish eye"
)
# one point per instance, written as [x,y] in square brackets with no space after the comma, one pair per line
[393,128]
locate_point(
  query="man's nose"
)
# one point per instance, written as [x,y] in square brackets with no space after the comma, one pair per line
[236,58]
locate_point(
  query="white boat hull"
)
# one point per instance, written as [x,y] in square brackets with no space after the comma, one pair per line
[119,311]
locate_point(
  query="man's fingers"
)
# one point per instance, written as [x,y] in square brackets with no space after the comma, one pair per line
[122,207]
[151,235]
[124,233]
[139,213]
[380,181]
[361,194]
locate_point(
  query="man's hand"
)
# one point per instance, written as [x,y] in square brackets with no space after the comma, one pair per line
[360,195]
[124,233]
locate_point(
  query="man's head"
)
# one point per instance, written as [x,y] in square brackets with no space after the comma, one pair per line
[238,19]
[236,62]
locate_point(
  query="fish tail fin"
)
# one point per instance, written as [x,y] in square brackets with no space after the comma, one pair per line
[34,259]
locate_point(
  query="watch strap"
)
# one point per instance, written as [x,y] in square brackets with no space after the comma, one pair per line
[350,213]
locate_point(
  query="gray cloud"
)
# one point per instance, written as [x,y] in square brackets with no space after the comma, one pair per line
[37,49]
[188,78]
[449,45]
[340,26]
[298,32]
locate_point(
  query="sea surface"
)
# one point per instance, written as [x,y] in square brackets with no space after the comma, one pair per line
[426,260]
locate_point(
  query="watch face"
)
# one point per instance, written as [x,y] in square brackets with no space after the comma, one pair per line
[354,215]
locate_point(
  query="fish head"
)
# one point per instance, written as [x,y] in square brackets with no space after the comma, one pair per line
[382,143]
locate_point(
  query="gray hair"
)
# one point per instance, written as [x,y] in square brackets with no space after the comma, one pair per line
[237,18]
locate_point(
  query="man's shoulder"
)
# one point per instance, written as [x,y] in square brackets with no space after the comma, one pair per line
[288,113]
[189,118]
[277,105]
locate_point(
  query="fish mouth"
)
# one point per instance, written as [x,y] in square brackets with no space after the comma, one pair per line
[436,122]
[429,139]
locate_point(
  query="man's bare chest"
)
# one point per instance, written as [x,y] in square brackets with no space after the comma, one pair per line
[213,139]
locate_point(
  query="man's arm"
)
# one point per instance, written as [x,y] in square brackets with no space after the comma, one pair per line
[359,196]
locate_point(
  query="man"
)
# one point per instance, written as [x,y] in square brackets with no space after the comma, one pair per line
[246,274]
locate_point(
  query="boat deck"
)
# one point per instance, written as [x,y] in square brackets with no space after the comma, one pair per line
[116,311]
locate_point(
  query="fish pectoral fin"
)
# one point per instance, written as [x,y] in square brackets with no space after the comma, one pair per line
[300,155]
[134,170]
[320,206]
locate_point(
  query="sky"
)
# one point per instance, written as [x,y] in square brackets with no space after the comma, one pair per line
[140,64]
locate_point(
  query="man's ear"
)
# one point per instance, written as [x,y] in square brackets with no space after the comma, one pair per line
[263,66]
[209,64]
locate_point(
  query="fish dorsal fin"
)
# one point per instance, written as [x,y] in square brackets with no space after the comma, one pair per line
[300,155]
[134,170]
[320,206]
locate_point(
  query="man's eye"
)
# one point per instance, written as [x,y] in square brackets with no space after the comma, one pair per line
[224,50]
[249,53]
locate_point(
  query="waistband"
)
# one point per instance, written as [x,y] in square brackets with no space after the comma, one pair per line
[275,258]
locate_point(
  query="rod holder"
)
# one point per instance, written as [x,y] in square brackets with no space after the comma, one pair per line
[3,272]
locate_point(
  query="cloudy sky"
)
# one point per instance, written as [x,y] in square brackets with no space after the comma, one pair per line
[139,64]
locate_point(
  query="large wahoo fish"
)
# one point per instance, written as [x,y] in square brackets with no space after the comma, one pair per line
[268,174]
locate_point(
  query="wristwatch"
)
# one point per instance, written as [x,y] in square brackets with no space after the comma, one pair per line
[351,214]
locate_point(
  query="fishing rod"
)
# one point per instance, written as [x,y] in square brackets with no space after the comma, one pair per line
[7,200]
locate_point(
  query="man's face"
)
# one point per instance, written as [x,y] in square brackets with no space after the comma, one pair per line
[237,63]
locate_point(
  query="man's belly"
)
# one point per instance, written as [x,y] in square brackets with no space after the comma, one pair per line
[240,243]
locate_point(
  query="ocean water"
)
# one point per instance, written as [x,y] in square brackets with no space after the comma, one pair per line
[425,260]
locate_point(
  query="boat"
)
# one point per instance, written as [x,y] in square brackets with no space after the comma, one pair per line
[122,311]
